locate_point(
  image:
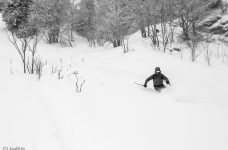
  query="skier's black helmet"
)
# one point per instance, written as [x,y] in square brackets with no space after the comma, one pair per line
[157,69]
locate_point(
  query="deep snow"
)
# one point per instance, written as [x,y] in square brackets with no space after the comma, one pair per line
[112,112]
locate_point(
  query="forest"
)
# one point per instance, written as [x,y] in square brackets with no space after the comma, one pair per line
[104,22]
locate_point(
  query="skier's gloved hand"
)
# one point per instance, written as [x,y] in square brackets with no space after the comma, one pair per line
[145,85]
[167,82]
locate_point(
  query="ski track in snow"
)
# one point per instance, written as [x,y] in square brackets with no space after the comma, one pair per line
[27,108]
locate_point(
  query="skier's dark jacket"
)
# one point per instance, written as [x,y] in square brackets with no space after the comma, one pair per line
[152,77]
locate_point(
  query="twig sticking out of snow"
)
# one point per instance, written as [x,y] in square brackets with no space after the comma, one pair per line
[59,73]
[53,68]
[78,84]
[11,66]
[39,67]
[102,84]
[82,59]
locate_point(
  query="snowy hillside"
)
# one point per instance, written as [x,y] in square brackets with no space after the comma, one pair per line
[111,112]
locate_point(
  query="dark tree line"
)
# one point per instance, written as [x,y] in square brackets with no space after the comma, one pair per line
[102,21]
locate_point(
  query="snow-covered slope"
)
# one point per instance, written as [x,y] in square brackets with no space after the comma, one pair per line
[111,112]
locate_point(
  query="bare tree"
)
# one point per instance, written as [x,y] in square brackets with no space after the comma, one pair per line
[33,49]
[116,21]
[193,45]
[224,52]
[190,12]
[164,28]
[208,53]
[150,9]
[217,47]
[39,67]
[53,68]
[51,16]
[171,17]
[21,45]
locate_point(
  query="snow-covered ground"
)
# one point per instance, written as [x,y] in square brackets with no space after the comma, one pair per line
[111,112]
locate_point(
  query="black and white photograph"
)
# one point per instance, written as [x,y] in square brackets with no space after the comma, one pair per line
[113,75]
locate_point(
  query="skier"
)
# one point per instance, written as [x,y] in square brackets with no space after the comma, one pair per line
[158,78]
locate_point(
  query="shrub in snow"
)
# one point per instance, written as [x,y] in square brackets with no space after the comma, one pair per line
[33,49]
[30,67]
[59,71]
[79,81]
[39,67]
[53,68]
[82,59]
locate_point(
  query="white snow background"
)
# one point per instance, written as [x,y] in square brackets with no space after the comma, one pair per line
[111,112]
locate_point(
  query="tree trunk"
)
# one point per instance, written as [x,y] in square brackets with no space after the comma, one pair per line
[71,35]
[24,48]
[171,10]
[56,33]
[148,32]
[33,59]
[53,35]
[184,25]
[24,62]
[119,42]
[154,36]
[143,32]
[171,32]
[116,43]
[194,28]
[32,71]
